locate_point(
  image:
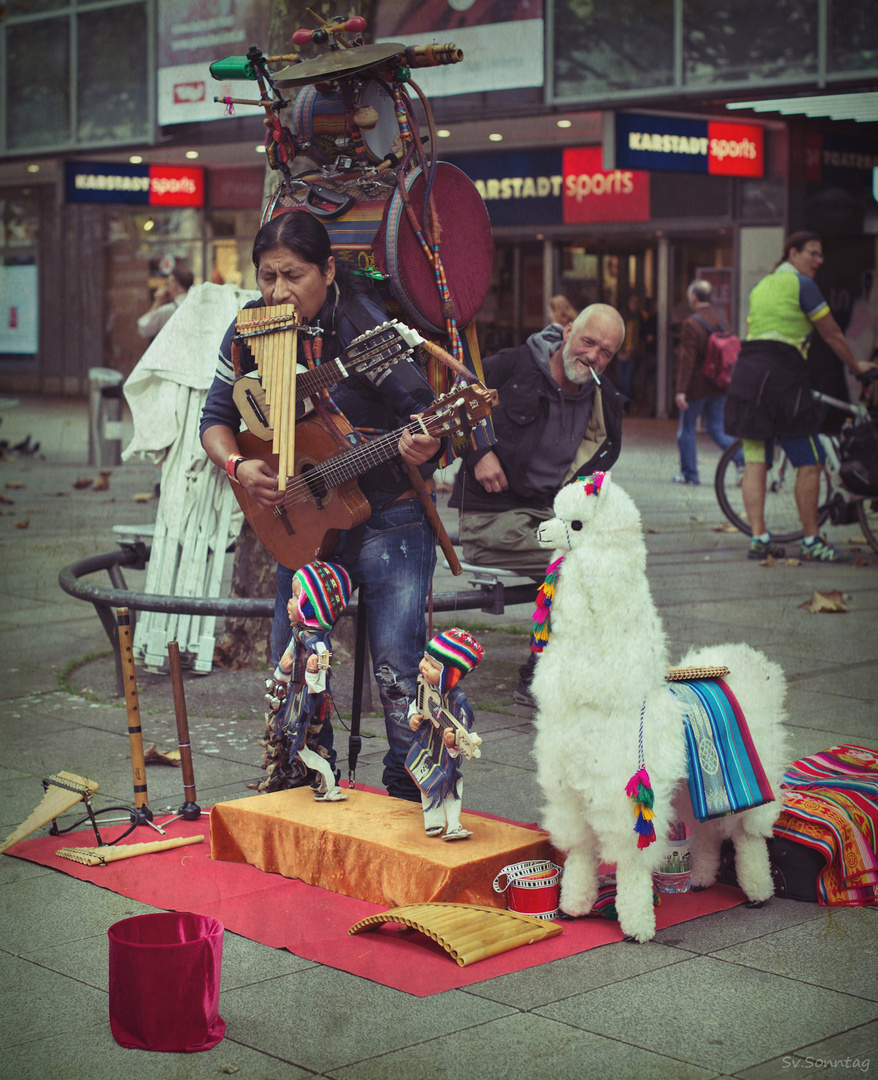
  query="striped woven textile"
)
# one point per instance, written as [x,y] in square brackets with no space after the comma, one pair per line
[830,803]
[725,773]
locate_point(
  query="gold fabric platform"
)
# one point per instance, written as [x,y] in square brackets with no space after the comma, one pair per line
[371,847]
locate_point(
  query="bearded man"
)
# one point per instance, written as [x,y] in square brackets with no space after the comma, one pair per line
[558,417]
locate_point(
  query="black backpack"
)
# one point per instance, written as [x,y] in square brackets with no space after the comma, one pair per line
[859,458]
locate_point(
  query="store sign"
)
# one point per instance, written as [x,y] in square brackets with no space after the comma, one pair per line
[519,188]
[671,144]
[147,185]
[592,193]
[839,158]
[555,187]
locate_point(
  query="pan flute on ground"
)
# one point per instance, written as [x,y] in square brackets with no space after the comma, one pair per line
[63,790]
[467,932]
[107,853]
[270,335]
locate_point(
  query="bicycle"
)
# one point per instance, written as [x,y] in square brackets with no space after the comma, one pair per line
[835,504]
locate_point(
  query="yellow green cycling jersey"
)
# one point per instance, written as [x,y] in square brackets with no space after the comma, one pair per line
[784,306]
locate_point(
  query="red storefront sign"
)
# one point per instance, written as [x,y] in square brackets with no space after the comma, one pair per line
[735,149]
[591,193]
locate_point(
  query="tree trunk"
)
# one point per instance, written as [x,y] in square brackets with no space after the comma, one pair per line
[246,643]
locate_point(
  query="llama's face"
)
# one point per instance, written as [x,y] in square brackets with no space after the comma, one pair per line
[582,516]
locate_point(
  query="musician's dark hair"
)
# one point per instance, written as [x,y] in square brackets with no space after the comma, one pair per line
[298,231]
[796,241]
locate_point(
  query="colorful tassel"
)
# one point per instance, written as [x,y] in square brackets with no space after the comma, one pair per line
[639,791]
[542,614]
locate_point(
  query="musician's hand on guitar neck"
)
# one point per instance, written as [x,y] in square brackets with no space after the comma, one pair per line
[417,449]
[260,483]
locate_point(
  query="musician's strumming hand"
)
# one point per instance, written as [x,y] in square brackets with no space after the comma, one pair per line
[450,739]
[417,449]
[260,483]
[415,721]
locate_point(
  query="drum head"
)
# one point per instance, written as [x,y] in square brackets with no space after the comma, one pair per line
[466,249]
[384,138]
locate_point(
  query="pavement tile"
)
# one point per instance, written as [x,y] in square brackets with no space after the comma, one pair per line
[713,1014]
[841,947]
[725,928]
[589,970]
[532,1046]
[332,1033]
[850,1054]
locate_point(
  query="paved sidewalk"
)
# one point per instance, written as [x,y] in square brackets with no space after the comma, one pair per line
[788,989]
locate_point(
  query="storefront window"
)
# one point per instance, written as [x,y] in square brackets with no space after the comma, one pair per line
[38,109]
[18,218]
[730,41]
[626,45]
[853,36]
[112,75]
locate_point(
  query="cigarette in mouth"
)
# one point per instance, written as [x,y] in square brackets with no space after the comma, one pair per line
[594,375]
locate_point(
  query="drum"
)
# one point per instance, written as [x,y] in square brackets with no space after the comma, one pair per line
[466,249]
[319,125]
[532,888]
[384,138]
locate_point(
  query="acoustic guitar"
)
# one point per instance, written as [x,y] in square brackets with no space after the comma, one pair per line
[368,354]
[322,498]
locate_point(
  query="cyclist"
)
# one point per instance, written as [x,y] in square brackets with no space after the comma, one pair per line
[770,394]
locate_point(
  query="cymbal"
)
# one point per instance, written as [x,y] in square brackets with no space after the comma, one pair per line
[335,64]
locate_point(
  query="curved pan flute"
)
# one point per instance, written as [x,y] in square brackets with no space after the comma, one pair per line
[467,932]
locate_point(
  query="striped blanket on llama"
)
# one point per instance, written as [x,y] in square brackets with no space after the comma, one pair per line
[831,804]
[724,770]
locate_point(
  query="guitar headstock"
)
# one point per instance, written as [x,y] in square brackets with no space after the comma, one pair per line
[380,347]
[459,410]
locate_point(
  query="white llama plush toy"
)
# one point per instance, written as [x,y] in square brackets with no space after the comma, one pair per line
[601,671]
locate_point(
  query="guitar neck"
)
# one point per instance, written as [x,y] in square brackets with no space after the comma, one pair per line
[319,378]
[353,463]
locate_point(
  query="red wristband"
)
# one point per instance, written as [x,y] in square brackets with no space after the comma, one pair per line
[232,463]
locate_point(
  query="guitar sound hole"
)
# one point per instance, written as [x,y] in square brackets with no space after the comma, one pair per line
[315,484]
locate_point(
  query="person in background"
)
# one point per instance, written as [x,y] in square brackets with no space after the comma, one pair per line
[698,395]
[561,311]
[166,302]
[770,394]
[558,417]
[633,349]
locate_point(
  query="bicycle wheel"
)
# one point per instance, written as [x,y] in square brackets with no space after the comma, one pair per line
[867,512]
[781,514]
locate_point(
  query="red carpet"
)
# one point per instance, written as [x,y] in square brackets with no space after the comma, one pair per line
[313,923]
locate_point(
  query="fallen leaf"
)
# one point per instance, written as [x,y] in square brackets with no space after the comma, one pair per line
[831,601]
[23,524]
[102,483]
[863,560]
[858,541]
[142,497]
[724,528]
[653,530]
[153,755]
[791,561]
[767,561]
[6,501]
[230,1069]
[15,484]
[82,482]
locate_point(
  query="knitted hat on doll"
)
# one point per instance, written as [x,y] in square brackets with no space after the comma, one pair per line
[326,589]
[458,652]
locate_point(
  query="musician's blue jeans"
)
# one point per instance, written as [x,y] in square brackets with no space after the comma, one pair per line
[393,571]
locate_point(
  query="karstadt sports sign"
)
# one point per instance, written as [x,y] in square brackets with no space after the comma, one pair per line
[147,185]
[671,144]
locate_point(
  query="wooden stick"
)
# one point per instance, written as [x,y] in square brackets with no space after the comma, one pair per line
[420,487]
[107,853]
[189,808]
[135,731]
